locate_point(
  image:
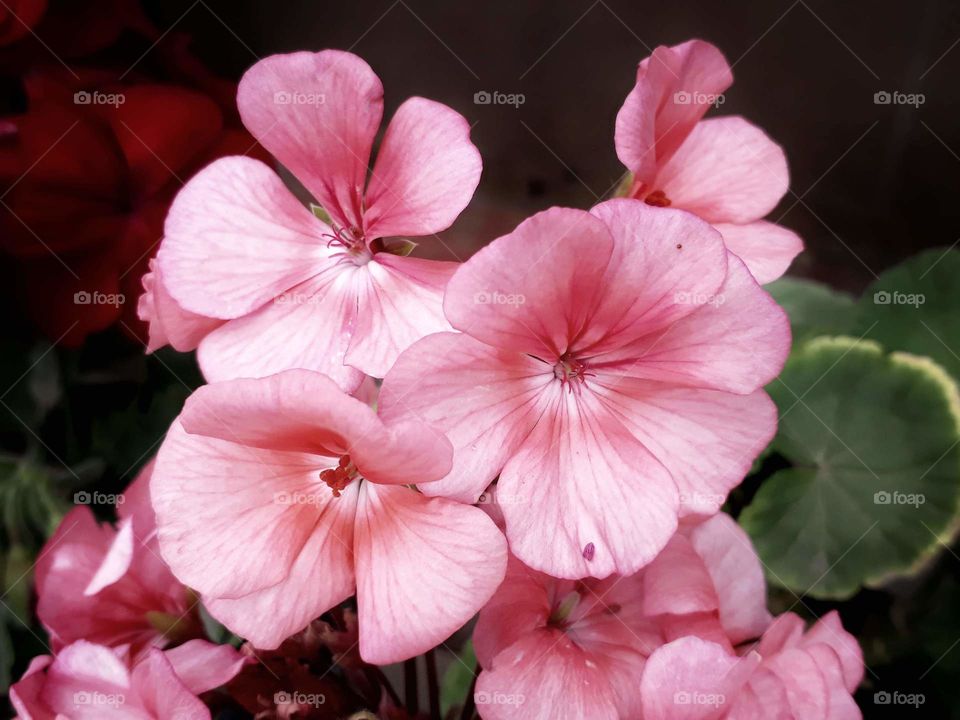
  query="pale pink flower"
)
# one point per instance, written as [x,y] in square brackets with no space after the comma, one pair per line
[294,291]
[790,675]
[167,322]
[108,584]
[279,498]
[86,681]
[565,650]
[726,170]
[610,370]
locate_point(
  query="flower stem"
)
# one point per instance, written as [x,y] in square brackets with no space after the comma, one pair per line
[432,685]
[410,689]
[468,704]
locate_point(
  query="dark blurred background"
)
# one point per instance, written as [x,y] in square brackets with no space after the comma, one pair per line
[871,184]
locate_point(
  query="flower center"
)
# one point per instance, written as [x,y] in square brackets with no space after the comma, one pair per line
[657,198]
[570,371]
[339,477]
[353,245]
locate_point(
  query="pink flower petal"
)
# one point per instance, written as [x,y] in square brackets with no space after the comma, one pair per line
[426,171]
[727,170]
[307,327]
[235,238]
[692,679]
[737,343]
[535,289]
[203,666]
[544,676]
[520,605]
[828,630]
[399,300]
[320,578]
[79,671]
[588,499]
[299,411]
[317,113]
[161,693]
[765,248]
[424,567]
[705,438]
[677,581]
[25,693]
[116,561]
[736,574]
[168,323]
[806,688]
[785,631]
[227,527]
[665,265]
[841,706]
[675,87]
[485,400]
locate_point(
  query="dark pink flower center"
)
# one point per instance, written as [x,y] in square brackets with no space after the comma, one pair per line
[339,477]
[570,371]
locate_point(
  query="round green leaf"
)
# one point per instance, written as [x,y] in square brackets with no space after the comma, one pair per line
[813,308]
[915,307]
[874,487]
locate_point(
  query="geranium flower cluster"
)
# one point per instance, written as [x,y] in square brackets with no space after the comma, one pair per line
[560,420]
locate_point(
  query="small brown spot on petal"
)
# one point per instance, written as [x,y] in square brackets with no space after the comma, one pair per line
[657,198]
[588,552]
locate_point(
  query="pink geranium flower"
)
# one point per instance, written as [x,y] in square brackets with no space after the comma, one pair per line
[790,674]
[565,650]
[281,497]
[167,322]
[109,585]
[295,291]
[86,681]
[725,170]
[610,370]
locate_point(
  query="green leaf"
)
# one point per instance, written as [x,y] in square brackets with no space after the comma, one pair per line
[457,679]
[30,510]
[814,309]
[874,485]
[400,246]
[215,631]
[915,307]
[321,214]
